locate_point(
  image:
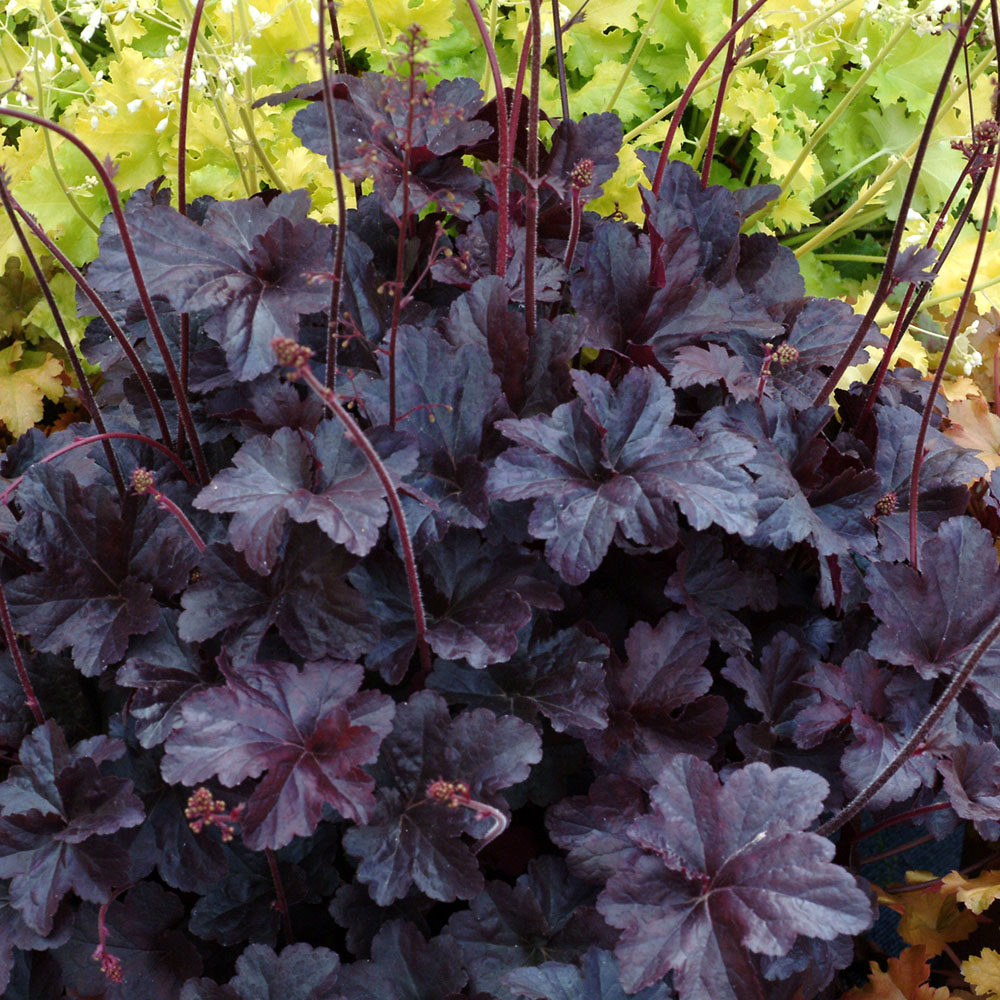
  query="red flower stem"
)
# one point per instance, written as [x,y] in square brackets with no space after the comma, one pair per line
[142,482]
[503,141]
[91,439]
[918,449]
[15,653]
[113,325]
[930,883]
[333,322]
[917,737]
[675,118]
[727,69]
[886,282]
[561,60]
[575,218]
[900,849]
[279,892]
[182,124]
[140,283]
[403,224]
[74,358]
[531,181]
[392,496]
[901,818]
[518,95]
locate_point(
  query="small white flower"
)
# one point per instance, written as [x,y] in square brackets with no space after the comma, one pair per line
[162,124]
[864,61]
[67,48]
[93,23]
[134,106]
[94,122]
[817,84]
[49,63]
[120,16]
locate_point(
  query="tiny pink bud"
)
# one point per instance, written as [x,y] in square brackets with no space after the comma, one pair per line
[143,481]
[785,354]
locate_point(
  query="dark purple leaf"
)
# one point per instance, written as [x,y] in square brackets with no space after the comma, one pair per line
[915,264]
[413,841]
[15,933]
[592,828]
[443,397]
[249,263]
[583,155]
[730,874]
[310,730]
[932,619]
[58,813]
[376,121]
[972,782]
[145,935]
[659,700]
[712,586]
[560,676]
[404,966]
[596,978]
[306,597]
[323,478]
[102,572]
[547,912]
[300,972]
[705,365]
[609,462]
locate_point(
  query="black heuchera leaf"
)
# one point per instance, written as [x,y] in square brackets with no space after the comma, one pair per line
[583,155]
[413,841]
[306,597]
[250,263]
[660,704]
[596,978]
[932,619]
[15,933]
[311,730]
[404,966]
[730,873]
[610,462]
[443,396]
[300,972]
[548,912]
[103,572]
[560,676]
[58,812]
[323,477]
[972,782]
[145,934]
[377,122]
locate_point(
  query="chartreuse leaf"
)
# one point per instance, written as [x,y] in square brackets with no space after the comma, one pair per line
[975,894]
[983,973]
[25,384]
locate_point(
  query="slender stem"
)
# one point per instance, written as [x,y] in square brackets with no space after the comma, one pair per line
[967,870]
[531,181]
[918,452]
[685,98]
[144,297]
[74,358]
[903,817]
[575,219]
[639,46]
[886,281]
[182,124]
[15,653]
[403,224]
[899,849]
[279,892]
[295,356]
[560,60]
[917,737]
[333,322]
[143,482]
[91,439]
[727,69]
[503,141]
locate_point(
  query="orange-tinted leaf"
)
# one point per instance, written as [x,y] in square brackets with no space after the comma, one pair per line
[974,425]
[930,918]
[905,979]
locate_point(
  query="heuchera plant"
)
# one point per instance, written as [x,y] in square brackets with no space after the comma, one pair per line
[479,598]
